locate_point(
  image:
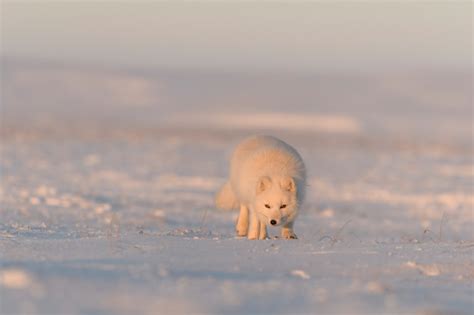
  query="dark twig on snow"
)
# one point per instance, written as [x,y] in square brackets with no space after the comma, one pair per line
[203,219]
[443,219]
[336,237]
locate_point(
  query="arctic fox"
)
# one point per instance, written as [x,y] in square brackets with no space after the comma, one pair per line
[267,181]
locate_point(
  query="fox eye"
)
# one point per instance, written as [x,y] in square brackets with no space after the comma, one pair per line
[267,206]
[282,206]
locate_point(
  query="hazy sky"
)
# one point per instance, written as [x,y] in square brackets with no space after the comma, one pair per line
[239,35]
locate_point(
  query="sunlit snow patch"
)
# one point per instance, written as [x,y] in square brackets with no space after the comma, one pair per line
[14,279]
[300,274]
[272,121]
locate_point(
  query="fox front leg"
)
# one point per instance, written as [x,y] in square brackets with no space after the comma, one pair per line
[262,235]
[287,231]
[254,226]
[242,226]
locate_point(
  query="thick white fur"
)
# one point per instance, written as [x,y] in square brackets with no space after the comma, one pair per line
[267,181]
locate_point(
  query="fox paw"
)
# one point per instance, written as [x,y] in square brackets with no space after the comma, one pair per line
[241,233]
[241,230]
[289,235]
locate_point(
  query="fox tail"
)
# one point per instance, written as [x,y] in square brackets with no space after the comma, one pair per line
[226,199]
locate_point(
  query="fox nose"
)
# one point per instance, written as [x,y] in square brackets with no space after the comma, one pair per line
[273,222]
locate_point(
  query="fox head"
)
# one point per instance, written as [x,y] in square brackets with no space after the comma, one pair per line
[276,200]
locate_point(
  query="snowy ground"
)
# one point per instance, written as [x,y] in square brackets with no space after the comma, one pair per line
[107,203]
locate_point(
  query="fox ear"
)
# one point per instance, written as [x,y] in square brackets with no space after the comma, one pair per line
[288,184]
[263,184]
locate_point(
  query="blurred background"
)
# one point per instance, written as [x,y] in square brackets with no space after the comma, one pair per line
[117,118]
[397,68]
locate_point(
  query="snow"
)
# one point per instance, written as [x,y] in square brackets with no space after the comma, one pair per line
[114,214]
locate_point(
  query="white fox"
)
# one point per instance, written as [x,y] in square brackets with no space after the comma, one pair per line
[267,179]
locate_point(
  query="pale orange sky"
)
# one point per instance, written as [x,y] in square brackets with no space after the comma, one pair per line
[239,35]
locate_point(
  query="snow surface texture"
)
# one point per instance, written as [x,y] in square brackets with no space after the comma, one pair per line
[103,212]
